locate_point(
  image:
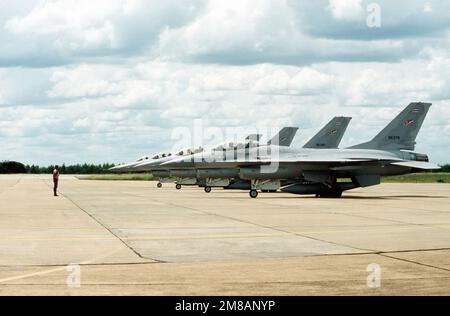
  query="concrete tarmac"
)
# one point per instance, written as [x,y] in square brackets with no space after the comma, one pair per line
[131,238]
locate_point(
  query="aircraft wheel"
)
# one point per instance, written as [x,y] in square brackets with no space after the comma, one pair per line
[253,194]
[159,185]
[207,189]
[178,186]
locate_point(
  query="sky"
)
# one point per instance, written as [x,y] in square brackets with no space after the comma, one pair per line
[111,80]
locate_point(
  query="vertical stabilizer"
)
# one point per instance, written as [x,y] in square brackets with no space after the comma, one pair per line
[284,137]
[330,135]
[402,131]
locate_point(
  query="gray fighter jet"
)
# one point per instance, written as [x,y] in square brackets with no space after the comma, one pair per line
[329,136]
[147,163]
[188,175]
[142,163]
[326,172]
[228,178]
[152,165]
[156,159]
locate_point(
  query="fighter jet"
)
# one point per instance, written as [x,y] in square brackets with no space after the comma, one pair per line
[163,175]
[155,160]
[188,175]
[154,164]
[320,171]
[129,166]
[228,178]
[146,163]
[329,136]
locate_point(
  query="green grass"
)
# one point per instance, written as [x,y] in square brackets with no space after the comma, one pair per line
[119,177]
[437,177]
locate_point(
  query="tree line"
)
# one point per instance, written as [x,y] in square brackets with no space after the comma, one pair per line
[444,168]
[17,167]
[12,167]
[71,169]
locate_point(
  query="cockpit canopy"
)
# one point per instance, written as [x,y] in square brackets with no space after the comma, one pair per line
[183,152]
[161,155]
[236,145]
[142,159]
[189,151]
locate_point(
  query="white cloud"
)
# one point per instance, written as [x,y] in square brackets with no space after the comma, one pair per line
[389,84]
[427,7]
[293,32]
[85,24]
[303,81]
[83,81]
[62,31]
[346,9]
[234,30]
[23,86]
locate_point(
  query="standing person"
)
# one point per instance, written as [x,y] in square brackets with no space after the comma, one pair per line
[55,180]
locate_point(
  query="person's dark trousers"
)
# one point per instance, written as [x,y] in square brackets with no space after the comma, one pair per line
[55,187]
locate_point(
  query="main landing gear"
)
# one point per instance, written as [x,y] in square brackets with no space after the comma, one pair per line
[178,186]
[159,185]
[253,194]
[207,189]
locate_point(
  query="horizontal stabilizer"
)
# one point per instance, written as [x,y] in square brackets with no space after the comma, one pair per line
[417,165]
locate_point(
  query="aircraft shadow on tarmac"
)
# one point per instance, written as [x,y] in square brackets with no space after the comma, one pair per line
[352,197]
[390,197]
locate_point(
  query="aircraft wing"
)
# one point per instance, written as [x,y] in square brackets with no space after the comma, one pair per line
[315,160]
[263,160]
[417,165]
[344,163]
